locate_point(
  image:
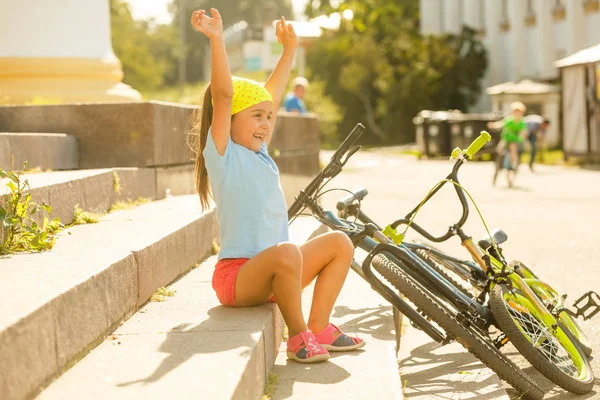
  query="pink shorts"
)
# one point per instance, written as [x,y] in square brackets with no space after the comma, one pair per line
[223,281]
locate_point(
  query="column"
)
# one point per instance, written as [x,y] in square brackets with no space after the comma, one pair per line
[58,51]
[472,13]
[517,9]
[576,26]
[430,13]
[545,39]
[452,12]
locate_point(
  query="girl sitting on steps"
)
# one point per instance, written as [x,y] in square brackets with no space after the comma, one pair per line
[256,262]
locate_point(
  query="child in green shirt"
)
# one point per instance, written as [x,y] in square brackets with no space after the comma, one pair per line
[514,129]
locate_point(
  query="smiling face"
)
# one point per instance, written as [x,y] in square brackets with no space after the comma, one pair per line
[251,126]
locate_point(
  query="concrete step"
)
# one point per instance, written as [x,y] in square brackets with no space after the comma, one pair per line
[186,347]
[58,304]
[368,373]
[98,189]
[56,151]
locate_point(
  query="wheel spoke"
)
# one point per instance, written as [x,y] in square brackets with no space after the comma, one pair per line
[543,339]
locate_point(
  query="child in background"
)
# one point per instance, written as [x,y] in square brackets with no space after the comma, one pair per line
[514,129]
[256,262]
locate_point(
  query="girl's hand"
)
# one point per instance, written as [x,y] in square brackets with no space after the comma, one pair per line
[211,27]
[286,35]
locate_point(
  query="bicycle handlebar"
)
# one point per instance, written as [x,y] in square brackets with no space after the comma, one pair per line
[473,148]
[331,170]
[478,143]
[358,193]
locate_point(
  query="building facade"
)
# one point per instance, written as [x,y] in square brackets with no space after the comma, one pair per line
[523,37]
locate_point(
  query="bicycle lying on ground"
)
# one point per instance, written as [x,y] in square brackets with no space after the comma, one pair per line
[528,311]
[439,307]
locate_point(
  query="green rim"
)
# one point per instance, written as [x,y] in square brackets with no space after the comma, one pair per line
[549,296]
[554,344]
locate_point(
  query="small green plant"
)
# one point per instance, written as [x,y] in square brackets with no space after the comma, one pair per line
[286,334]
[42,101]
[18,215]
[270,386]
[116,183]
[162,294]
[126,205]
[81,217]
[215,247]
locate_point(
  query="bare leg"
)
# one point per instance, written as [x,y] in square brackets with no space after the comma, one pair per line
[328,258]
[278,271]
[514,154]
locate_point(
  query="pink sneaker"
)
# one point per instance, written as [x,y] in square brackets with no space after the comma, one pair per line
[304,348]
[333,339]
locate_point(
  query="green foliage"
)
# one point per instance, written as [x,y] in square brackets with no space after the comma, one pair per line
[382,72]
[126,205]
[19,216]
[162,293]
[328,111]
[150,52]
[270,386]
[143,54]
[191,94]
[232,11]
[81,217]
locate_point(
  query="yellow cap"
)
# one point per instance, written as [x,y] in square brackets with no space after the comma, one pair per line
[247,93]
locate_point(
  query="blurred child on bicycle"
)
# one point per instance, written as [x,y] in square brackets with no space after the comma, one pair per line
[514,130]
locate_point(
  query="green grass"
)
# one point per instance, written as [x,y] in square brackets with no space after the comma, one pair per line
[81,217]
[192,94]
[126,205]
[552,157]
[270,386]
[162,294]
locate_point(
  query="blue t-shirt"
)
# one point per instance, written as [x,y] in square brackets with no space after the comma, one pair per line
[251,209]
[293,103]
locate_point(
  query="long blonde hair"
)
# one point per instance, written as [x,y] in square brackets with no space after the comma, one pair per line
[201,121]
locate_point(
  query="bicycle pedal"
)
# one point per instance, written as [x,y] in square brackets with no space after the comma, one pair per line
[592,303]
[500,341]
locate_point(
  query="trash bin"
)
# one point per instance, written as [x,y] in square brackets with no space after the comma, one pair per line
[433,131]
[455,123]
[472,126]
[420,122]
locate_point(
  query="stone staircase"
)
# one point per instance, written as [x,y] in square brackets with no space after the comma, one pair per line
[62,307]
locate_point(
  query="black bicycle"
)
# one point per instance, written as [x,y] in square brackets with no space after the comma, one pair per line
[438,307]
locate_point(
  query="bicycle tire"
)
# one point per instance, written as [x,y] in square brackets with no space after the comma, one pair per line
[581,384]
[567,320]
[441,268]
[468,337]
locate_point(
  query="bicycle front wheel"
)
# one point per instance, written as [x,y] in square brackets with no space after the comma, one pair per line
[545,291]
[466,335]
[551,350]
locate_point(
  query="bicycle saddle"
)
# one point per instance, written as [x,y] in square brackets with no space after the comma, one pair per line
[497,234]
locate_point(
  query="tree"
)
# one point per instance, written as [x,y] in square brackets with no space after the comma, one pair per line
[232,11]
[148,52]
[379,67]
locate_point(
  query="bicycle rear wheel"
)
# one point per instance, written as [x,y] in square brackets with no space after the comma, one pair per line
[447,269]
[468,336]
[552,351]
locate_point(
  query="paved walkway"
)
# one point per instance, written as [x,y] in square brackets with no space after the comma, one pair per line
[551,217]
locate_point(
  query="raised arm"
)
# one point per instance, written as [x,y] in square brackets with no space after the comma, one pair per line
[278,79]
[220,76]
